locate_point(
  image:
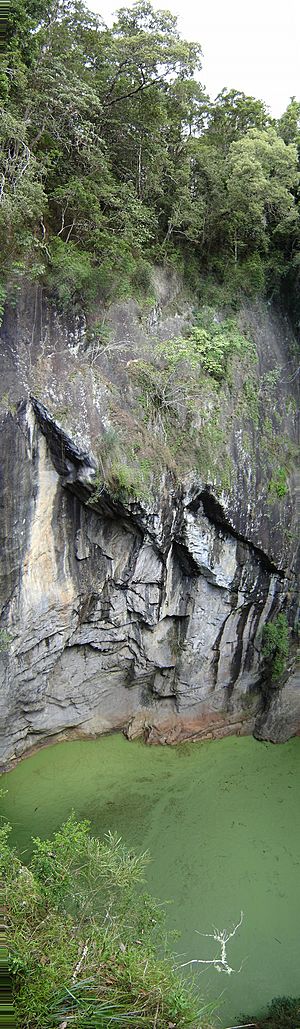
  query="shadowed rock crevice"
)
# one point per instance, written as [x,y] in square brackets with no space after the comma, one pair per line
[215,513]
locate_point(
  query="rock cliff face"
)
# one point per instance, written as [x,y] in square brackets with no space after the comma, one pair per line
[136,614]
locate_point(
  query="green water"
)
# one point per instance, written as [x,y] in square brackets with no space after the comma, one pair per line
[221,821]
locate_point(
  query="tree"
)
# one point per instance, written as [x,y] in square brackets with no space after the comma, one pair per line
[232,114]
[289,123]
[275,646]
[206,197]
[262,174]
[22,197]
[111,154]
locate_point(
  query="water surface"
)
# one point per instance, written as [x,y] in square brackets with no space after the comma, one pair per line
[221,821]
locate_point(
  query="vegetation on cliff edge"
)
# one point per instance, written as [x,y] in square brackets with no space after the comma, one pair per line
[112,156]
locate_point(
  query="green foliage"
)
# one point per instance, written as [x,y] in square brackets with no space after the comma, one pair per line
[278,485]
[5,639]
[249,401]
[142,277]
[71,274]
[250,275]
[289,123]
[112,157]
[275,646]
[261,205]
[212,459]
[282,1013]
[233,114]
[184,407]
[84,938]
[127,481]
[124,467]
[209,346]
[23,198]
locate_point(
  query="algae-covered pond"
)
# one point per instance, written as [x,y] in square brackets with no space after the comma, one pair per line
[221,821]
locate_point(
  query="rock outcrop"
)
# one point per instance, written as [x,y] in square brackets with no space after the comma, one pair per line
[122,613]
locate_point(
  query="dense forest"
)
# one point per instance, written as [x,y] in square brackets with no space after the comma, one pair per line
[113,157]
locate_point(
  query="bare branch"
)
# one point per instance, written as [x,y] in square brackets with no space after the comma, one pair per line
[63,215]
[70,231]
[80,962]
[133,92]
[221,936]
[246,1025]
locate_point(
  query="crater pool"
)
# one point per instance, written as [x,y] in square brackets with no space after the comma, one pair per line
[221,822]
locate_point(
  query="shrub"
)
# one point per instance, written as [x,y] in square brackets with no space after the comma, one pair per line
[209,347]
[83,937]
[250,275]
[142,277]
[275,646]
[71,274]
[282,1013]
[278,483]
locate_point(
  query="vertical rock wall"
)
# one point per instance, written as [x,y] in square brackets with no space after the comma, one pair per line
[142,615]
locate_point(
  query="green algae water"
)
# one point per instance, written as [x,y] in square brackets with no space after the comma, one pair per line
[221,822]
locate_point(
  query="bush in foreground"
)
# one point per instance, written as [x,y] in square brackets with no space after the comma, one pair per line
[86,946]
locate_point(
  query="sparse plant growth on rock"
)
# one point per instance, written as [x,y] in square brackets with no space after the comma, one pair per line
[275,646]
[209,346]
[5,639]
[278,484]
[179,388]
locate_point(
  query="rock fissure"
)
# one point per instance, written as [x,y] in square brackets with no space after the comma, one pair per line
[216,515]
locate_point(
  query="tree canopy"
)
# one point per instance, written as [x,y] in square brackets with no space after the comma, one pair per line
[112,153]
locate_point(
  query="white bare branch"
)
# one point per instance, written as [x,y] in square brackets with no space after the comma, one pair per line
[63,215]
[80,962]
[26,162]
[69,233]
[99,349]
[221,936]
[246,1025]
